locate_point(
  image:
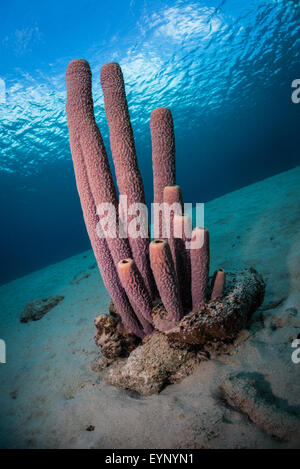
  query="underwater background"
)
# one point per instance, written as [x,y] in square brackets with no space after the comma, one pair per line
[224,68]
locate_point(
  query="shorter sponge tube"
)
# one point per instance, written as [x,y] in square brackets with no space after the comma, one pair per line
[173,195]
[182,235]
[173,206]
[199,253]
[218,284]
[138,295]
[164,273]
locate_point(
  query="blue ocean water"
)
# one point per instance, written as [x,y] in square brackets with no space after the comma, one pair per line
[224,68]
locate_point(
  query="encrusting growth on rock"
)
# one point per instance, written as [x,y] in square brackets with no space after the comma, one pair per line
[167,357]
[159,289]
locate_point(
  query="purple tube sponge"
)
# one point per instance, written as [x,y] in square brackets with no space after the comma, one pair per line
[163,155]
[122,145]
[84,131]
[165,277]
[163,151]
[173,195]
[127,264]
[137,293]
[199,267]
[182,234]
[102,253]
[218,284]
[173,206]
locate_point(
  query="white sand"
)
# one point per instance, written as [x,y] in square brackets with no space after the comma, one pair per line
[49,395]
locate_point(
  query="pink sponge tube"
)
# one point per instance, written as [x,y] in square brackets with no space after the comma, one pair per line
[163,155]
[163,151]
[218,282]
[82,125]
[102,253]
[199,267]
[182,234]
[165,277]
[122,145]
[173,206]
[173,195]
[137,293]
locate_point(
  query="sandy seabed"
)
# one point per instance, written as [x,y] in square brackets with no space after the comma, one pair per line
[50,397]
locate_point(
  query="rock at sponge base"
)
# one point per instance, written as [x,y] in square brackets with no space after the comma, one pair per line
[168,356]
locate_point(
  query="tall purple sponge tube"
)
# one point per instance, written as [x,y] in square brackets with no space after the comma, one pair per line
[122,145]
[102,253]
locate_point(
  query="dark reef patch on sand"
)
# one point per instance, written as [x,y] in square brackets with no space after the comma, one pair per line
[36,309]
